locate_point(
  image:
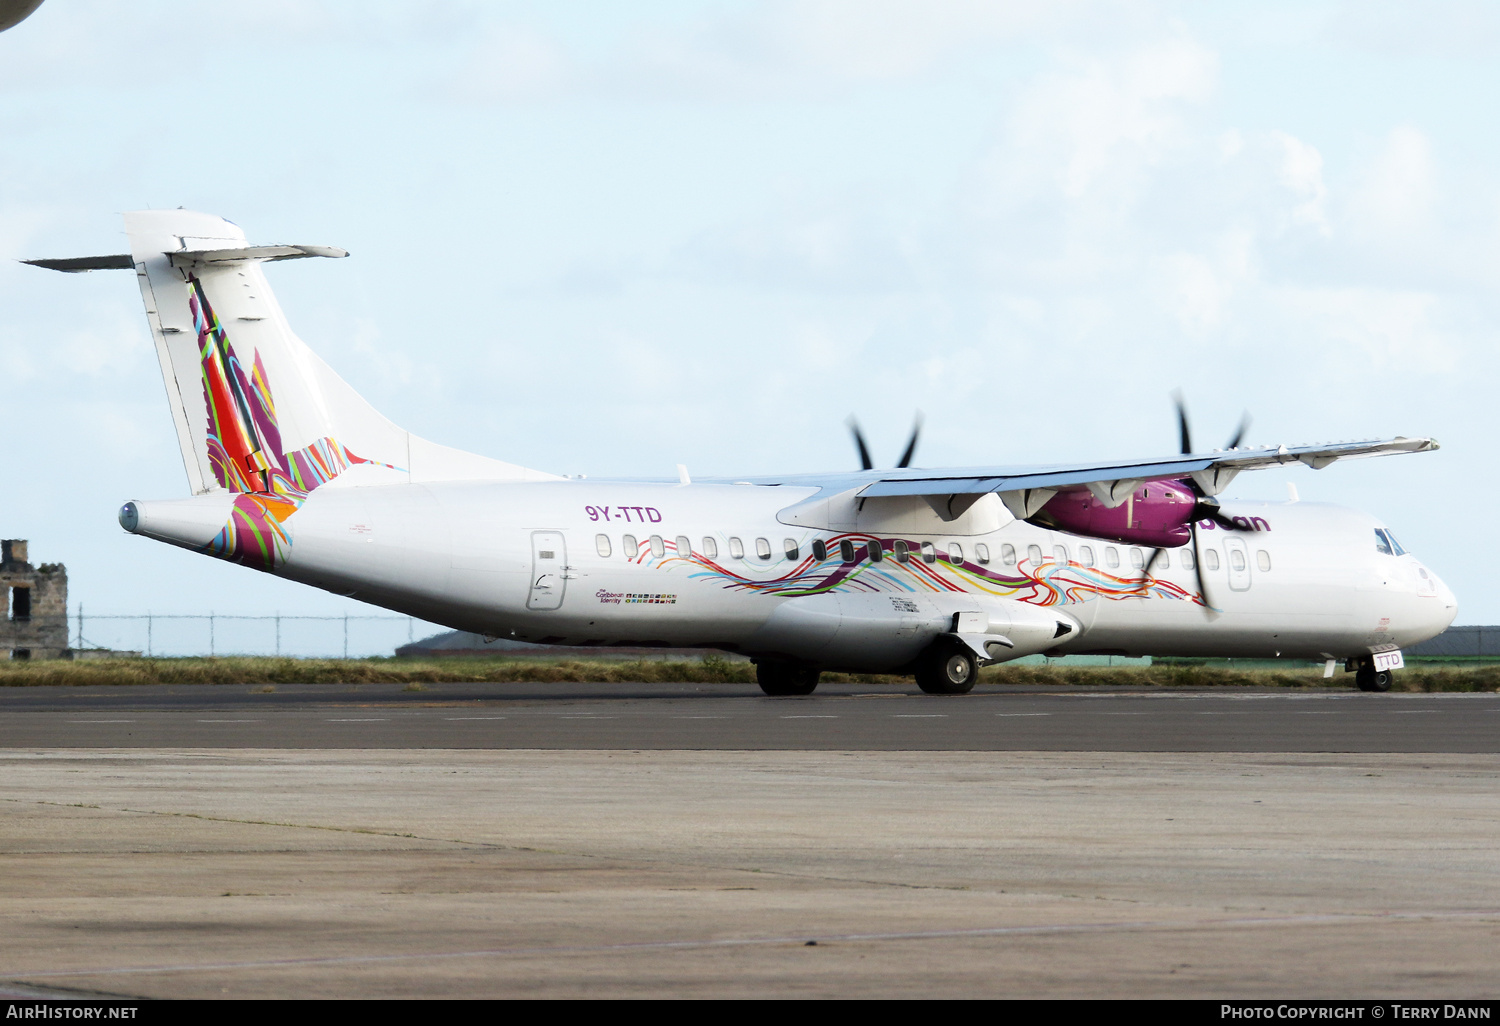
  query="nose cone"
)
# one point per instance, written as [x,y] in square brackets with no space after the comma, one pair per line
[1436,610]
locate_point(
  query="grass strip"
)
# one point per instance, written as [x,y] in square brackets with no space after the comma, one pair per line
[708,670]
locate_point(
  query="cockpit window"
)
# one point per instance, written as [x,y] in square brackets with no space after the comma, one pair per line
[1381,543]
[1395,545]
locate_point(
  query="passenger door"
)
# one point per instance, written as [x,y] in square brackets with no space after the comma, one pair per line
[549,558]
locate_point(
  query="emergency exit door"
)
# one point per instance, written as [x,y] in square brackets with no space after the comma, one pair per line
[549,558]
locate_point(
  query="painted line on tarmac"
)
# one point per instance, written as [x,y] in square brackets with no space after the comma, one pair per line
[799,939]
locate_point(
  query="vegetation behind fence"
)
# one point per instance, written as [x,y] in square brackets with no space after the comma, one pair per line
[709,670]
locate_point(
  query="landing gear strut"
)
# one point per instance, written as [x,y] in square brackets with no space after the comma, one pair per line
[785,678]
[947,669]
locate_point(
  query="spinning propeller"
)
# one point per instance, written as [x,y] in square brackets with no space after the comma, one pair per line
[1207,507]
[865,463]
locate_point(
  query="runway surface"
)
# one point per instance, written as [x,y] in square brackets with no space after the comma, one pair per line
[704,717]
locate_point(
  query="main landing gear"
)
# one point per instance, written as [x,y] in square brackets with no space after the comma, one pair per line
[947,669]
[1367,678]
[785,678]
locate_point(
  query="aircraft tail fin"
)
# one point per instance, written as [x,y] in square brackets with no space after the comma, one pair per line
[256,410]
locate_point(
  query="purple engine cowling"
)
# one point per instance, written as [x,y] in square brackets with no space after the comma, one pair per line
[1157,513]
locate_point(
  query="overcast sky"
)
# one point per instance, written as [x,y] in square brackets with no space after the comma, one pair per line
[607,238]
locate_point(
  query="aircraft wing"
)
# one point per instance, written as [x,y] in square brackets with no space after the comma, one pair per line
[1113,481]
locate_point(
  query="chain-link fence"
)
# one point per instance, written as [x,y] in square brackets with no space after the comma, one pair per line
[215,634]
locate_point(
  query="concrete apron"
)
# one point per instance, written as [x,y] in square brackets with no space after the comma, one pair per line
[196,873]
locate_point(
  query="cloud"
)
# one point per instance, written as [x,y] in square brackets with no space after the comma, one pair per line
[1395,201]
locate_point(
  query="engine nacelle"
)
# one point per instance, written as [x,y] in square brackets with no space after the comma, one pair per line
[1158,513]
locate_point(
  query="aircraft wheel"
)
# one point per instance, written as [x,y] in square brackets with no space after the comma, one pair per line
[781,679]
[1370,679]
[947,670]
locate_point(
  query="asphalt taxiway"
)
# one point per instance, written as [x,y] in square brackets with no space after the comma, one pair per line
[739,717]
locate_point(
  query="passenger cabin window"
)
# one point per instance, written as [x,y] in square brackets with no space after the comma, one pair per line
[788,546]
[1164,560]
[1381,544]
[658,547]
[1236,559]
[684,547]
[1211,559]
[846,550]
[929,552]
[1034,554]
[1111,556]
[1263,559]
[1086,555]
[763,549]
[1137,559]
[710,548]
[982,552]
[877,550]
[601,542]
[1060,554]
[820,550]
[629,546]
[1187,559]
[955,553]
[736,549]
[903,554]
[1008,554]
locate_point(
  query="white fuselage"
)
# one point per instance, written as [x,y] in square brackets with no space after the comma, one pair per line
[598,563]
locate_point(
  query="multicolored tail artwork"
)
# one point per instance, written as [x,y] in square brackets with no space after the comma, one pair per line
[244,448]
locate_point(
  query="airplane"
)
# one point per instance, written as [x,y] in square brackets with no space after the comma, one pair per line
[13,12]
[931,573]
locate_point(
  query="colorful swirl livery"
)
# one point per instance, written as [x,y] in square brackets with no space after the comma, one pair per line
[244,448]
[1049,583]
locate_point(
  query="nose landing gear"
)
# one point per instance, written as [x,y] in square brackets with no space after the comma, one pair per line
[1367,678]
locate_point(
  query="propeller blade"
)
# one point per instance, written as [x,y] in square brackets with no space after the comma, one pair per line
[911,446]
[1185,438]
[865,463]
[1146,573]
[1239,434]
[1198,567]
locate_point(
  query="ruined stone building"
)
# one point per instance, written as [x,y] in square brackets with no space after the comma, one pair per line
[36,605]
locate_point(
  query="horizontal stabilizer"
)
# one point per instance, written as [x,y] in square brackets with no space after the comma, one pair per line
[72,265]
[212,257]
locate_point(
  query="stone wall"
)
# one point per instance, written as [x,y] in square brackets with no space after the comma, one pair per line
[35,606]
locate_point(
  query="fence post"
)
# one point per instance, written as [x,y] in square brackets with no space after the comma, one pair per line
[150,650]
[278,633]
[210,635]
[80,625]
[346,635]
